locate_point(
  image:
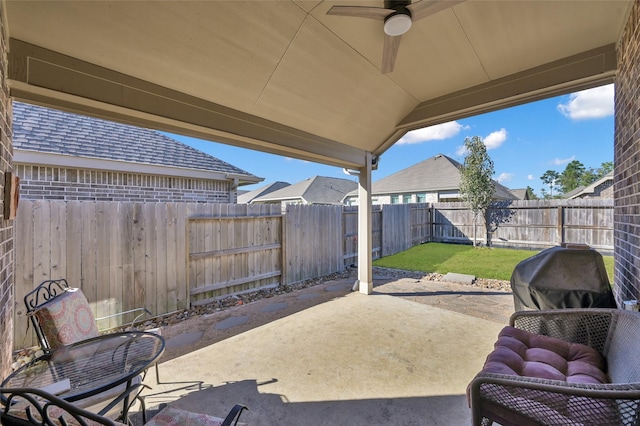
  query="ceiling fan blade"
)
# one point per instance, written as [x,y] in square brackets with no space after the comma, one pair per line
[378,13]
[424,8]
[390,53]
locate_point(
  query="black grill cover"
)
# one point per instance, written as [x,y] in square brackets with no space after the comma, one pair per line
[562,277]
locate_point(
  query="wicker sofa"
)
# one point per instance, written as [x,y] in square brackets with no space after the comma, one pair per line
[562,367]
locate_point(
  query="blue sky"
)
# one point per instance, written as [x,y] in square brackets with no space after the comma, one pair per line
[523,142]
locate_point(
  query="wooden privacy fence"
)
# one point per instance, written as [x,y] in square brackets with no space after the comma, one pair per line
[530,224]
[155,255]
[231,253]
[168,256]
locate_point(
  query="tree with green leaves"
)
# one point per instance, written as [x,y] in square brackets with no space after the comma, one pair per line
[476,179]
[530,194]
[571,178]
[550,178]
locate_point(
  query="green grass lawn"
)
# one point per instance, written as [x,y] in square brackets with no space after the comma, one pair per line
[496,263]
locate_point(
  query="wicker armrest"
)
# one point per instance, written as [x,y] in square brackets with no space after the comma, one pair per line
[528,400]
[587,326]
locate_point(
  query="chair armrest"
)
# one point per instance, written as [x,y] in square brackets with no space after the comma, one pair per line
[234,415]
[586,326]
[41,408]
[598,391]
[540,401]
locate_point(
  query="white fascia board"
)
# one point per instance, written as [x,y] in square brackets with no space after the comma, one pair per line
[60,160]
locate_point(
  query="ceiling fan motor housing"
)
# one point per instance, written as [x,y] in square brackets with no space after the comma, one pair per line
[398,22]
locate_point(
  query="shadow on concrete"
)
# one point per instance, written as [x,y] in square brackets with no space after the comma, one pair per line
[273,409]
[446,293]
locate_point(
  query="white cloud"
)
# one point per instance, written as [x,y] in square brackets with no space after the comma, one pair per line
[530,177]
[560,161]
[432,133]
[495,139]
[461,151]
[587,104]
[504,177]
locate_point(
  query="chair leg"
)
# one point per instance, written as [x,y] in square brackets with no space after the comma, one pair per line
[157,374]
[143,408]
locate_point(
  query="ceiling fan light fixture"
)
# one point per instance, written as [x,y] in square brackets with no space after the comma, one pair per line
[397,24]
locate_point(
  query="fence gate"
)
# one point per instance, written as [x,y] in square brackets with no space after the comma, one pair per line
[233,254]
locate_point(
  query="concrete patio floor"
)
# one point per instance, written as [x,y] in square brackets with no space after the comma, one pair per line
[332,357]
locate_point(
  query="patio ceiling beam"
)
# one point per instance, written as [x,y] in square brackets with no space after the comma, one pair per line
[579,72]
[51,79]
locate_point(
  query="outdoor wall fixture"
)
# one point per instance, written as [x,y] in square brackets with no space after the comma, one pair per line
[11,195]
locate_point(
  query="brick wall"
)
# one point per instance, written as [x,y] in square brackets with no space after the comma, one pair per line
[6,226]
[627,160]
[59,183]
[604,190]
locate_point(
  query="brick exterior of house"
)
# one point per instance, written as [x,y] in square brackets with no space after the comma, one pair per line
[627,161]
[604,190]
[70,184]
[70,157]
[6,226]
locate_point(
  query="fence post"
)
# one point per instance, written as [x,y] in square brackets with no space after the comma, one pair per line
[432,223]
[284,278]
[560,228]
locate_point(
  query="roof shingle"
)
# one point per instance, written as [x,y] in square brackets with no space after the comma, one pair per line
[47,130]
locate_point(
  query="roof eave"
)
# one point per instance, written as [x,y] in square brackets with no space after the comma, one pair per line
[61,160]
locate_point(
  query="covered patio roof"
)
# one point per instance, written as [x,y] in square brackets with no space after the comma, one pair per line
[286,78]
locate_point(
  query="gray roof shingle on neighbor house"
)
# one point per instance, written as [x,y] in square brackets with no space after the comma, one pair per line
[53,131]
[438,173]
[520,193]
[249,196]
[315,190]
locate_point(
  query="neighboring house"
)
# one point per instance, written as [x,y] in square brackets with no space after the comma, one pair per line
[248,196]
[436,179]
[520,193]
[62,156]
[602,188]
[315,190]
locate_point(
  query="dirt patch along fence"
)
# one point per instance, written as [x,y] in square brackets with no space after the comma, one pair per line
[169,256]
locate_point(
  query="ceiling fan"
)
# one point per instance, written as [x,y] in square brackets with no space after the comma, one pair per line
[398,15]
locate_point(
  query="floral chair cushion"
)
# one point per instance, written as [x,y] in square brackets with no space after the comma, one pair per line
[67,319]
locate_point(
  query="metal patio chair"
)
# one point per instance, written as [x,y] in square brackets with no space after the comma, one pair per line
[61,315]
[28,406]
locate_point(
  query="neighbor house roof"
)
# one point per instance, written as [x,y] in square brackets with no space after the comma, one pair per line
[438,173]
[249,196]
[315,190]
[589,189]
[520,193]
[64,135]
